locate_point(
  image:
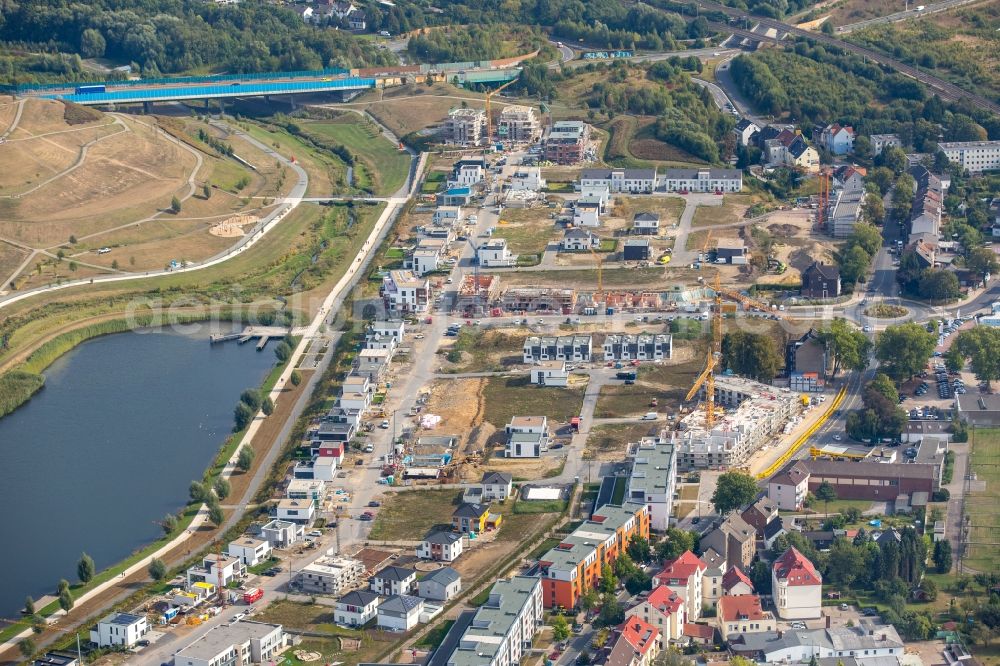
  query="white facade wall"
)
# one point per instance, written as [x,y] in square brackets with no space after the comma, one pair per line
[796,602]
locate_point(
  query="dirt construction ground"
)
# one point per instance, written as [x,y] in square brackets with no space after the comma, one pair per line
[796,245]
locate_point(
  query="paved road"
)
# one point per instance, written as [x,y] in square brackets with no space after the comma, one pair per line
[904,15]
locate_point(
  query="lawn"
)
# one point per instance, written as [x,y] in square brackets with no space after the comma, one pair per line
[612,439]
[618,400]
[527,231]
[669,208]
[506,397]
[486,351]
[540,506]
[409,515]
[319,618]
[385,166]
[730,212]
[982,508]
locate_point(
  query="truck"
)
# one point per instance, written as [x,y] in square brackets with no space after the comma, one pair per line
[252,595]
[90,90]
[626,374]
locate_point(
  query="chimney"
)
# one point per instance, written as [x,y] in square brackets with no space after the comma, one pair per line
[828,621]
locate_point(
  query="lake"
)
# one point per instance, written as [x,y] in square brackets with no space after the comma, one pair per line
[95,459]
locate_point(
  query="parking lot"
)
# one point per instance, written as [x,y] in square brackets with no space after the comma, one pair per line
[839,616]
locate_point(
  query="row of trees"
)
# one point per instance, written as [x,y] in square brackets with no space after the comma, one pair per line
[184,35]
[753,355]
[855,257]
[820,84]
[880,415]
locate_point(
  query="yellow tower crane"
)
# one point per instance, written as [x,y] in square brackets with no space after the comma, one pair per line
[600,275]
[489,117]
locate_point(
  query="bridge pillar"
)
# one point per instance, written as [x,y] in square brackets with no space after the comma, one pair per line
[147,107]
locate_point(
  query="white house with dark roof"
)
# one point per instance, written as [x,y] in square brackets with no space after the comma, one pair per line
[440,585]
[631,181]
[400,612]
[119,629]
[497,486]
[701,180]
[576,239]
[788,488]
[441,546]
[393,580]
[356,609]
[646,223]
[744,131]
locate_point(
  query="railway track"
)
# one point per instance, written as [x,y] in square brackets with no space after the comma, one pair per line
[944,89]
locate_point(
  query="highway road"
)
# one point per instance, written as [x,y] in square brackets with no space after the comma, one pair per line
[944,88]
[904,15]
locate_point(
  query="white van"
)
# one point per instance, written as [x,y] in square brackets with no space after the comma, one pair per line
[649,416]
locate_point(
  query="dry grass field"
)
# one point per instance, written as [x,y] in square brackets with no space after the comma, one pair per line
[107,180]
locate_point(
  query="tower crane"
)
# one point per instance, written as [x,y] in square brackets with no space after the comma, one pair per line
[707,376]
[489,118]
[600,275]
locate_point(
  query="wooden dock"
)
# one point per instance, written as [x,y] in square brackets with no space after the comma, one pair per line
[261,333]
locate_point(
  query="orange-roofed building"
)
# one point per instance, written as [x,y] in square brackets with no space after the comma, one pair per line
[641,637]
[797,586]
[664,609]
[743,614]
[736,582]
[684,576]
[574,565]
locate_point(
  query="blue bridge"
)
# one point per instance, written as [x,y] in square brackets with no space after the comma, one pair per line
[261,85]
[166,92]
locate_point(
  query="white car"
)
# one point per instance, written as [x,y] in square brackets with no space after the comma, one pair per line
[867,329]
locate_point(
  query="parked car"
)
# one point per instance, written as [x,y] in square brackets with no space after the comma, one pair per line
[374,503]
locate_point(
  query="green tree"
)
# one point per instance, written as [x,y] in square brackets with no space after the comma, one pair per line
[85,568]
[560,627]
[215,514]
[942,556]
[827,493]
[953,359]
[867,236]
[873,210]
[760,576]
[639,550]
[63,586]
[881,179]
[848,345]
[894,159]
[242,416]
[753,355]
[114,264]
[92,44]
[609,582]
[252,399]
[283,350]
[38,624]
[27,647]
[938,285]
[982,261]
[66,600]
[295,378]
[222,488]
[981,345]
[206,191]
[885,387]
[903,350]
[733,490]
[73,266]
[175,205]
[589,600]
[197,492]
[267,406]
[157,569]
[29,606]
[612,613]
[169,523]
[675,543]
[60,254]
[245,460]
[854,264]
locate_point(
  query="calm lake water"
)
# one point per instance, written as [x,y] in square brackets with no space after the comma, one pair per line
[108,447]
